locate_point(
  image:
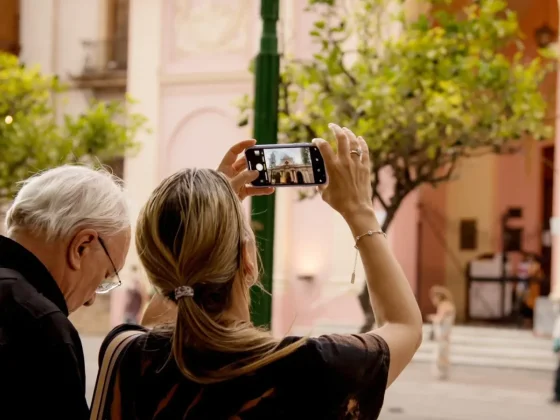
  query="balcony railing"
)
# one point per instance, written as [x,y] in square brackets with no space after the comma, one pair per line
[106,55]
[105,64]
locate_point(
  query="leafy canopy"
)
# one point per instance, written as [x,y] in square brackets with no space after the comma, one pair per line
[31,140]
[424,93]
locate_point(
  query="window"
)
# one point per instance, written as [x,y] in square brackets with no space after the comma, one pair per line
[468,235]
[118,34]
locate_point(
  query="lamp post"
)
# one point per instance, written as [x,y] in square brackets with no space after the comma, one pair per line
[267,69]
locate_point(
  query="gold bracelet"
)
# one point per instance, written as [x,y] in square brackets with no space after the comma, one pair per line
[357,239]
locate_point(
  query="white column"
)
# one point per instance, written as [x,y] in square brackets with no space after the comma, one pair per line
[37,33]
[144,53]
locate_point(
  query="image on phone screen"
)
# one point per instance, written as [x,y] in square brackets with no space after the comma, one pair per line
[287,165]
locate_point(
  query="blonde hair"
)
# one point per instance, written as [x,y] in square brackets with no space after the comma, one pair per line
[192,232]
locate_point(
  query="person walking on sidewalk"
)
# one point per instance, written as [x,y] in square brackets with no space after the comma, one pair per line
[135,298]
[556,349]
[442,322]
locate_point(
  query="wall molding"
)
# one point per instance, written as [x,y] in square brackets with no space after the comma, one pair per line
[205,78]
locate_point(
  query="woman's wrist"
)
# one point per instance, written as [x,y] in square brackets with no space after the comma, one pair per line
[361,219]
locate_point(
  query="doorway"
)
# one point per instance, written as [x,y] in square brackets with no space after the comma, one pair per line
[547,160]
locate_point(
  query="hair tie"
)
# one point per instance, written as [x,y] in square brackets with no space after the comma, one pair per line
[183,291]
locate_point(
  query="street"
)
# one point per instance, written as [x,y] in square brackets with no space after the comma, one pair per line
[471,393]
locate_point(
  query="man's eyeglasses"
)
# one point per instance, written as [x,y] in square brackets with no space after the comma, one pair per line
[108,284]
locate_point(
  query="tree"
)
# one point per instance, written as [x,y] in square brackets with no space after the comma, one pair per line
[445,87]
[305,157]
[272,160]
[442,89]
[32,140]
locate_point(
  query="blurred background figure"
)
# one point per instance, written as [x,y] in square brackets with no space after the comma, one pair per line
[442,322]
[528,288]
[556,348]
[136,298]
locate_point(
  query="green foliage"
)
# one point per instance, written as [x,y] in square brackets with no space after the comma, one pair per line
[441,88]
[31,140]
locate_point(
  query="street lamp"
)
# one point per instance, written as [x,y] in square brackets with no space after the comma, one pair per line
[267,69]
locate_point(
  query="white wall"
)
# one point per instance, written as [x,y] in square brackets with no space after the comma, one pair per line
[52,32]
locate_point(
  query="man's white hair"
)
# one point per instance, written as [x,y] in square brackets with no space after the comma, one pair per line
[58,202]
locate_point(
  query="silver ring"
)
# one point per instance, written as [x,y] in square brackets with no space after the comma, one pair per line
[357,152]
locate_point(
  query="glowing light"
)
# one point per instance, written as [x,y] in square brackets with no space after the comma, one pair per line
[8,119]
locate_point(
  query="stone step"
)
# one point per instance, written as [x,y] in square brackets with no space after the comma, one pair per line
[495,362]
[477,346]
[485,331]
[510,353]
[532,343]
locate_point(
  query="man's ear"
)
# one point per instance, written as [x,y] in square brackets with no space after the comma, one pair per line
[82,244]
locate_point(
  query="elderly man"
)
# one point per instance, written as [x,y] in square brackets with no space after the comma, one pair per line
[68,234]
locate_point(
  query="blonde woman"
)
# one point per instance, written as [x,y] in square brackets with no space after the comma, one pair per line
[442,322]
[210,362]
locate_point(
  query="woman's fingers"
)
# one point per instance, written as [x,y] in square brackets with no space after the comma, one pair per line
[231,155]
[242,179]
[240,164]
[342,140]
[241,185]
[326,150]
[365,150]
[355,149]
[256,191]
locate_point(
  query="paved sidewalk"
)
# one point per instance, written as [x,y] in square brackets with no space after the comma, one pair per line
[471,393]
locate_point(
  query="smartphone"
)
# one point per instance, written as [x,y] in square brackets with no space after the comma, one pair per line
[287,165]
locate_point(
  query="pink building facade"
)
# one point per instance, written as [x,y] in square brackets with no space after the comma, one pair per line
[188,64]
[188,74]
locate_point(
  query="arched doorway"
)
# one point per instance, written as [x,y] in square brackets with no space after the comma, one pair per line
[289,178]
[277,178]
[299,177]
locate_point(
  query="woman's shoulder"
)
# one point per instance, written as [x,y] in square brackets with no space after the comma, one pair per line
[352,356]
[349,370]
[139,339]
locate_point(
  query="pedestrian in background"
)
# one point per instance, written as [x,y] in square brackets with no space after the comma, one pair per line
[442,324]
[556,349]
[135,298]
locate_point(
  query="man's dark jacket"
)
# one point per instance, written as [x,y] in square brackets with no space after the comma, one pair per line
[42,372]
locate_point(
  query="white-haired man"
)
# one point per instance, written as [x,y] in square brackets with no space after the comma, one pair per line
[68,234]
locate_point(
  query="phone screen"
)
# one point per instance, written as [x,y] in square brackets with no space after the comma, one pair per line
[292,165]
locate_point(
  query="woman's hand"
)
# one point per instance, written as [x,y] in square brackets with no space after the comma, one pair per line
[235,168]
[349,187]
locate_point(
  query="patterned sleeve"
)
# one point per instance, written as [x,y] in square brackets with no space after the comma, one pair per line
[356,369]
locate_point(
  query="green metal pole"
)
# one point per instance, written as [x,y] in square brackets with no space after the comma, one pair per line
[266,129]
